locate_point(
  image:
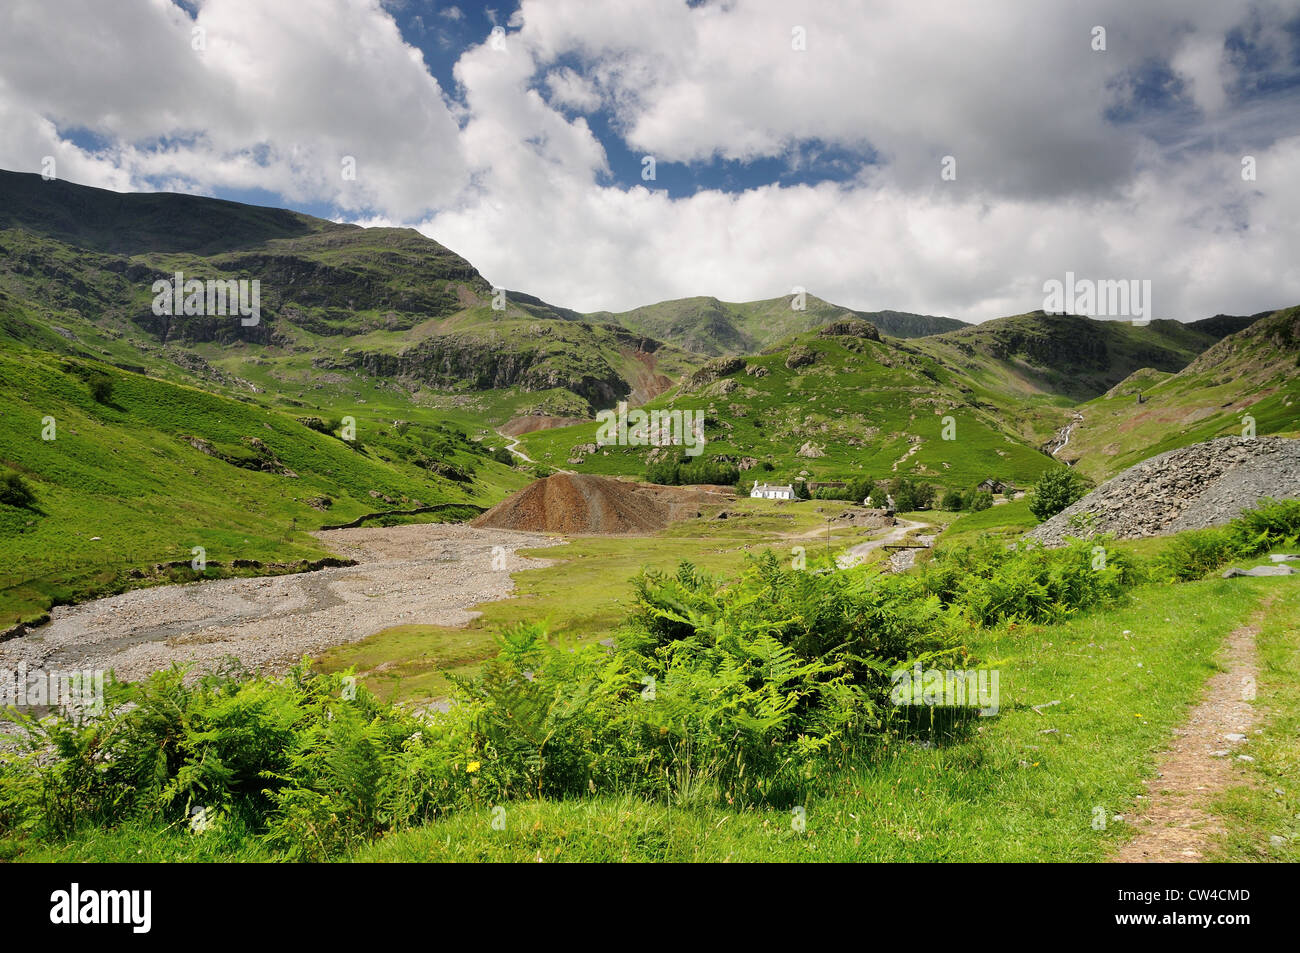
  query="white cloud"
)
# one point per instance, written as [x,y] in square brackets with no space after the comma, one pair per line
[1047,181]
[274,99]
[569,88]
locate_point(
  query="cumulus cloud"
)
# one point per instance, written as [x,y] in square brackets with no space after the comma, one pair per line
[1122,162]
[244,95]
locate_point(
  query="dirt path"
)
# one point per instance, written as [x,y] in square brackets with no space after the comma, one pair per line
[514,443]
[903,459]
[419,573]
[1176,826]
[859,552]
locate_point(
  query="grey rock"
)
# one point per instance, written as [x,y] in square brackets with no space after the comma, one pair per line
[1206,484]
[1259,571]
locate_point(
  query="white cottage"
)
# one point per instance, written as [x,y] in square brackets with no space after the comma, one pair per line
[765,491]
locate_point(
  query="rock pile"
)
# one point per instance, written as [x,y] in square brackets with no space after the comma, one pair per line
[1206,484]
[582,504]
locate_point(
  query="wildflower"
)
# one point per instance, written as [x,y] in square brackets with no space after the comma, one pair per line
[472,767]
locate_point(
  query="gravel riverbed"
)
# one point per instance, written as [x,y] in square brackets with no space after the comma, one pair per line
[426,573]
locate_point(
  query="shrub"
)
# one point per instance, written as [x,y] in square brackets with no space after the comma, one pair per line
[14,490]
[1192,554]
[988,584]
[980,500]
[759,678]
[101,387]
[683,470]
[1272,524]
[1056,489]
[953,500]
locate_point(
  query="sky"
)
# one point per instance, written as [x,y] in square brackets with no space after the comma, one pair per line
[920,155]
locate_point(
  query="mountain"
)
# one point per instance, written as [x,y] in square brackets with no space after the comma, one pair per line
[1221,325]
[343,308]
[837,402]
[1067,357]
[173,431]
[708,326]
[1254,372]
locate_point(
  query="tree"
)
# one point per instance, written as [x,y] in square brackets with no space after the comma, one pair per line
[859,487]
[101,388]
[1056,489]
[980,500]
[15,491]
[910,494]
[953,501]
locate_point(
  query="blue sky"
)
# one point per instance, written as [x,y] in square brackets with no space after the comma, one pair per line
[778,163]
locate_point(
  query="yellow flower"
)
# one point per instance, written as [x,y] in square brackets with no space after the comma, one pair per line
[472,767]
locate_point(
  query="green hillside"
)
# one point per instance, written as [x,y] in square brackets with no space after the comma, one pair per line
[1255,371]
[140,471]
[830,404]
[344,307]
[1066,357]
[708,326]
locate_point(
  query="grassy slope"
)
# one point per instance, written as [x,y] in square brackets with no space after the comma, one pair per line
[862,402]
[1065,356]
[126,472]
[1256,371]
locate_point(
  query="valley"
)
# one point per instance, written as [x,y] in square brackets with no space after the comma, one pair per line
[515,566]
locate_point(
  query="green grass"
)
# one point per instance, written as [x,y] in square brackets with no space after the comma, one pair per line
[1023,788]
[1008,521]
[1012,793]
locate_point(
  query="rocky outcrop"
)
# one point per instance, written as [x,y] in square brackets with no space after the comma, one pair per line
[853,327]
[1206,484]
[453,360]
[799,356]
[715,369]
